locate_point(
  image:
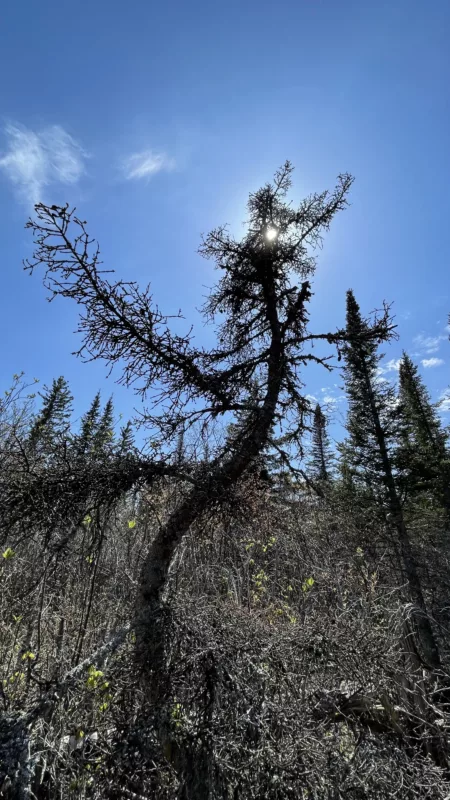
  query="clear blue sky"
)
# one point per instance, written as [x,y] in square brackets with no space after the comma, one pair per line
[157,119]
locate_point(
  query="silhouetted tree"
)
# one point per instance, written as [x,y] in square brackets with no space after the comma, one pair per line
[53,420]
[422,455]
[89,424]
[252,373]
[372,425]
[125,444]
[321,454]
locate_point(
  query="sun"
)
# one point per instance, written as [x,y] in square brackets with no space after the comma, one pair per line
[271,233]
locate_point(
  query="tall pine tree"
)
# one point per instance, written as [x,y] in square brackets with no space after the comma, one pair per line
[372,420]
[372,426]
[89,426]
[422,454]
[97,428]
[104,435]
[53,419]
[321,462]
[125,443]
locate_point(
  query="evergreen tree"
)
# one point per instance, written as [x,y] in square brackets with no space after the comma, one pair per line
[53,420]
[345,470]
[89,426]
[104,435]
[97,438]
[422,452]
[372,425]
[181,448]
[126,440]
[321,455]
[373,416]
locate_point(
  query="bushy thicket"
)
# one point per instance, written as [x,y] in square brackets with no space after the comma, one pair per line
[290,662]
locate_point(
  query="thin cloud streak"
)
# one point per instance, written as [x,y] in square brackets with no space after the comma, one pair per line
[37,159]
[146,164]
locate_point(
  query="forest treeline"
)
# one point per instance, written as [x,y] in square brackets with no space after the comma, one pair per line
[238,609]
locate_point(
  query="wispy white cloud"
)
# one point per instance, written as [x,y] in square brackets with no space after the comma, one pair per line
[36,159]
[330,397]
[432,362]
[146,164]
[332,400]
[429,344]
[393,365]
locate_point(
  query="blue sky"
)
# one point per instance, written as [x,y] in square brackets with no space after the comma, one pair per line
[156,120]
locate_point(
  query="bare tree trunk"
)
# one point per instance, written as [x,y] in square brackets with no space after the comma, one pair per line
[150,612]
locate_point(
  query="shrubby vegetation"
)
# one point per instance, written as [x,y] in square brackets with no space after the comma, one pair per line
[236,610]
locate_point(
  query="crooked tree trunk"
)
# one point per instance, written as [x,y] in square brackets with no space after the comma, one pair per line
[166,542]
[150,629]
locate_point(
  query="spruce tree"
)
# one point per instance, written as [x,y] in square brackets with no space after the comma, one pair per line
[53,420]
[104,435]
[422,455]
[125,443]
[321,462]
[89,426]
[372,425]
[373,410]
